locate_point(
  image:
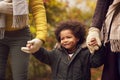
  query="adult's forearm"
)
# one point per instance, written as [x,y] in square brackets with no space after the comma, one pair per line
[100,13]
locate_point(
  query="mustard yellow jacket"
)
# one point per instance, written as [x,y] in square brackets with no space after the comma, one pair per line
[39,16]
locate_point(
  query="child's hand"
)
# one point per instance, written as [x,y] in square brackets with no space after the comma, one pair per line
[27,49]
[32,46]
[93,40]
[93,45]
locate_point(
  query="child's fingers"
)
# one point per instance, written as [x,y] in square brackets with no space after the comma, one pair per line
[28,45]
[25,49]
[93,42]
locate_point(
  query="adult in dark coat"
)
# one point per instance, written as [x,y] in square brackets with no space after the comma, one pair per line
[107,19]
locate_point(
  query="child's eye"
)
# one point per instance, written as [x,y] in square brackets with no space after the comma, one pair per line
[69,37]
[61,38]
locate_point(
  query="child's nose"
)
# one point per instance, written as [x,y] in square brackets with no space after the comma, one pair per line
[65,40]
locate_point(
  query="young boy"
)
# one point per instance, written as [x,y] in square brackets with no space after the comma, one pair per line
[72,60]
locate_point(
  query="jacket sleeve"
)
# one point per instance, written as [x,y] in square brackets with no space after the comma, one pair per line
[97,59]
[100,13]
[45,56]
[39,16]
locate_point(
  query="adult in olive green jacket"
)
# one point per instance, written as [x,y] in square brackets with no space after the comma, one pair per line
[15,38]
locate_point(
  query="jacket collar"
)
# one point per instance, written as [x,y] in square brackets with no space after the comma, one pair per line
[80,47]
[83,45]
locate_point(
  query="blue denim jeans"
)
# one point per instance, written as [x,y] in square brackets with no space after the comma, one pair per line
[11,46]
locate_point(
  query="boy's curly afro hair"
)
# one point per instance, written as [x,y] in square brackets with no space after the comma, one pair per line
[75,26]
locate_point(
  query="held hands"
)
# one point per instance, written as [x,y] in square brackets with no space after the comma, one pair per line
[6,7]
[32,46]
[93,40]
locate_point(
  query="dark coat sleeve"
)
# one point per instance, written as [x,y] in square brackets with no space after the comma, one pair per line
[45,56]
[100,13]
[97,59]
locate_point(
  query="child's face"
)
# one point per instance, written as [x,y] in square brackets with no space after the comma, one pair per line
[68,40]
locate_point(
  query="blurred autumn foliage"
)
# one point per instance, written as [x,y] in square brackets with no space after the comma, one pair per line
[56,11]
